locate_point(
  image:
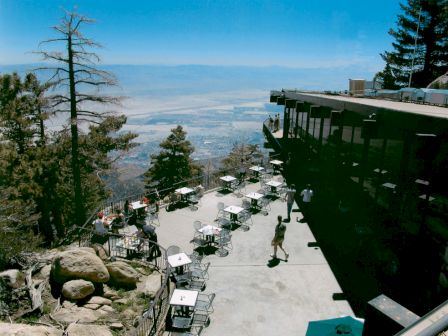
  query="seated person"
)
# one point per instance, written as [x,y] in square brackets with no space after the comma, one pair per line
[117,221]
[100,234]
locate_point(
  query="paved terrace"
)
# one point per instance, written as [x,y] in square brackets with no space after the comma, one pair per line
[255,296]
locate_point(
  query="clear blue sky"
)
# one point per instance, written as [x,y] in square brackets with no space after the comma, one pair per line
[294,33]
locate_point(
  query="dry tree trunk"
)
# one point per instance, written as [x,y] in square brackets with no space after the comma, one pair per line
[34,292]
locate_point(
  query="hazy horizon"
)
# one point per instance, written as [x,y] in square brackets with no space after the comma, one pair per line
[216,105]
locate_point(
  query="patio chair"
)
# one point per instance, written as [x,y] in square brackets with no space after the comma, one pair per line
[240,189]
[193,201]
[245,217]
[197,225]
[221,206]
[200,319]
[204,303]
[196,284]
[264,205]
[173,249]
[224,243]
[153,218]
[196,332]
[246,204]
[200,272]
[196,258]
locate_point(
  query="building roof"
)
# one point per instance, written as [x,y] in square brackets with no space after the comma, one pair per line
[365,104]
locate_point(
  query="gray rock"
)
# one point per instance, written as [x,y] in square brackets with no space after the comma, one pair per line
[77,289]
[116,326]
[122,274]
[92,306]
[18,329]
[78,264]
[150,284]
[121,301]
[13,278]
[99,300]
[79,315]
[108,309]
[76,329]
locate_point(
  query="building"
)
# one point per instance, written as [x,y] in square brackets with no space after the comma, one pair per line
[378,169]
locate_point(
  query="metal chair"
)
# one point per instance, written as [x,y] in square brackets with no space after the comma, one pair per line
[200,272]
[221,206]
[224,243]
[153,218]
[196,284]
[244,217]
[200,319]
[188,333]
[204,303]
[173,249]
[193,201]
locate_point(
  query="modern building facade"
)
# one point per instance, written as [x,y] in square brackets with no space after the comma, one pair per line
[379,172]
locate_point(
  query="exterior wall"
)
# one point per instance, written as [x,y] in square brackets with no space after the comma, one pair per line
[383,157]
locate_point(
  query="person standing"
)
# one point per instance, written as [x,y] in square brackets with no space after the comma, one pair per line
[276,123]
[307,195]
[271,123]
[290,193]
[279,237]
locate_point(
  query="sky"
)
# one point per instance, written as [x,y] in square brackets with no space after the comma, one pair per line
[291,33]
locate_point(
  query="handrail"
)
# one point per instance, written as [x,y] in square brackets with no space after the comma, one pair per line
[154,315]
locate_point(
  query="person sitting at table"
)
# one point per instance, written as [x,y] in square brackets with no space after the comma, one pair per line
[117,221]
[145,200]
[100,234]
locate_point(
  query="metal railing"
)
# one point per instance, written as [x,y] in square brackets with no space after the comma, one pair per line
[153,318]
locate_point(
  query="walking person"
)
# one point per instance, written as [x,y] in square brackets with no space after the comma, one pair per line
[290,193]
[279,237]
[307,195]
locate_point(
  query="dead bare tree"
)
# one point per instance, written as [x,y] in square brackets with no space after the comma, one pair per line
[74,71]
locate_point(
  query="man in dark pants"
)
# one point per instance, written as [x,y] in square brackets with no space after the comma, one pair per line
[149,232]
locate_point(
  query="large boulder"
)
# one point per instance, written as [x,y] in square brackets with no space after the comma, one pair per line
[77,289]
[122,274]
[78,264]
[18,329]
[76,329]
[13,278]
[150,285]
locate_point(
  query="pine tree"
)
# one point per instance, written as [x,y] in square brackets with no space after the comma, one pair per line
[242,155]
[76,70]
[423,24]
[173,163]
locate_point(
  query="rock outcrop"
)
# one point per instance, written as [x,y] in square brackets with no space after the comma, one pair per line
[122,274]
[78,264]
[18,329]
[77,289]
[13,278]
[76,329]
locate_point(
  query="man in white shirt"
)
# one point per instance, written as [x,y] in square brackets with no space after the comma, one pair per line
[307,195]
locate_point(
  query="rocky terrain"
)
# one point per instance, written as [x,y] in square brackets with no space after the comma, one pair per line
[75,292]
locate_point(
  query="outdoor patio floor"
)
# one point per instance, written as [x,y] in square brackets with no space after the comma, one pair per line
[254,295]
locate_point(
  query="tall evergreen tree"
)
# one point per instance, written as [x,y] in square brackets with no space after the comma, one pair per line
[242,155]
[173,163]
[420,46]
[76,71]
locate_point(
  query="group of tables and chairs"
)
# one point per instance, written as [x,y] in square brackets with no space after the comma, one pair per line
[211,236]
[185,196]
[189,306]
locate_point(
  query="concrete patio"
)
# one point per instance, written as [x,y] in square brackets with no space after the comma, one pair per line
[254,295]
